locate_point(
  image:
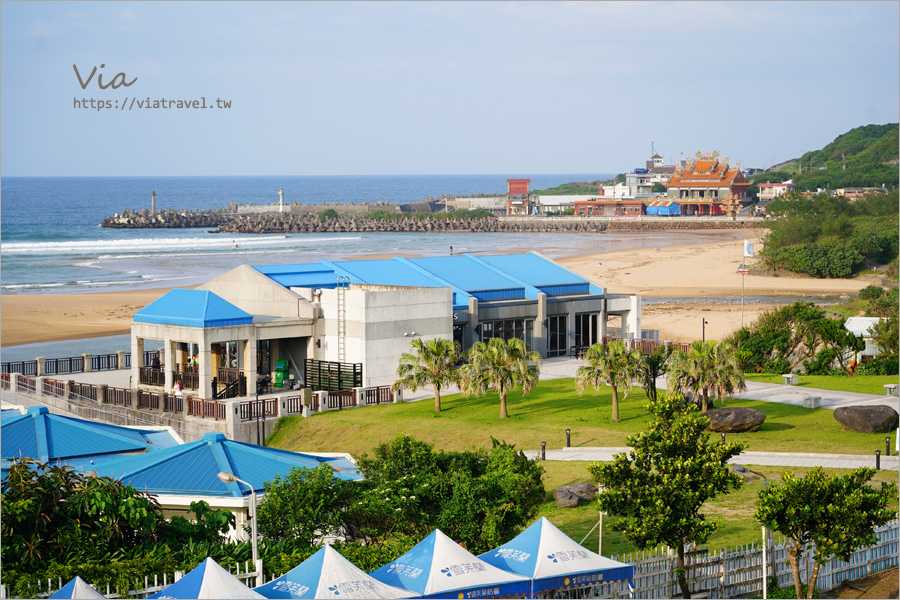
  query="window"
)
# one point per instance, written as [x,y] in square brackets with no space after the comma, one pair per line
[508,329]
[586,332]
[557,335]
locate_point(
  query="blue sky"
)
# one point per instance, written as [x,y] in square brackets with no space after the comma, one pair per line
[437,88]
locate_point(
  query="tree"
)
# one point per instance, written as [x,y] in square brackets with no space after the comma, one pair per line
[793,335]
[304,505]
[614,366]
[52,512]
[652,367]
[480,498]
[500,365]
[432,363]
[837,513]
[706,367]
[660,486]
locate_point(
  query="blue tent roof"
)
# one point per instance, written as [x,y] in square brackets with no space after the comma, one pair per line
[438,567]
[553,560]
[207,580]
[43,436]
[327,574]
[193,468]
[192,308]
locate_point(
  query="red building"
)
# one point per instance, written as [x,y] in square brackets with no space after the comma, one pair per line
[518,197]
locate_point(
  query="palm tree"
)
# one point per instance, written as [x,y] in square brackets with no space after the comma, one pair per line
[613,365]
[500,365]
[431,363]
[727,375]
[706,366]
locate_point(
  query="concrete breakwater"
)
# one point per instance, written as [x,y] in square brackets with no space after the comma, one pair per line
[294,223]
[231,219]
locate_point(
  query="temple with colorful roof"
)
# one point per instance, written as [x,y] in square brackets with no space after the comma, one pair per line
[708,185]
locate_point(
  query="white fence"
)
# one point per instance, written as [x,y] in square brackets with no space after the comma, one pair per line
[151,585]
[739,571]
[732,573]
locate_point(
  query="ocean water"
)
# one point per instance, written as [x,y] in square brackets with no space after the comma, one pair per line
[52,241]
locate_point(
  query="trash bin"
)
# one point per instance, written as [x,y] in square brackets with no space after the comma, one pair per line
[281,373]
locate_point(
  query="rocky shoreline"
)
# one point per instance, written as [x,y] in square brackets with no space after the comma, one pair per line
[228,220]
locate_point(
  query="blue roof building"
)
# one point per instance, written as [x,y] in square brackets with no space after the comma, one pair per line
[365,313]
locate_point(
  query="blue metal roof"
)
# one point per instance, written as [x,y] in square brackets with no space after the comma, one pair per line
[44,437]
[193,468]
[535,270]
[193,308]
[469,274]
[488,278]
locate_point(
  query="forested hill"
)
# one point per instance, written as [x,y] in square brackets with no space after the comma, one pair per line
[863,157]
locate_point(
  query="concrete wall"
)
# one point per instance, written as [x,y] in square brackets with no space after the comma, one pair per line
[379,326]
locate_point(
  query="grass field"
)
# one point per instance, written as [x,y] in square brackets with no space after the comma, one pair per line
[869,384]
[733,512]
[554,406]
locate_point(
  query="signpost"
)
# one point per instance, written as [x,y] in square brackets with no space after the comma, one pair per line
[743,270]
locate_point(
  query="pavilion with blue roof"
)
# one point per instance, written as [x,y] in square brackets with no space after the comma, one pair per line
[75,442]
[189,472]
[364,313]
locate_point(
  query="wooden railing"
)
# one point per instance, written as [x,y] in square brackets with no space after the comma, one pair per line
[341,399]
[379,395]
[647,346]
[117,397]
[84,390]
[189,376]
[173,403]
[199,407]
[152,376]
[293,405]
[5,381]
[262,408]
[53,387]
[148,399]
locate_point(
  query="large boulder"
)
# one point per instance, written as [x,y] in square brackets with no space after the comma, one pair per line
[868,419]
[735,420]
[569,496]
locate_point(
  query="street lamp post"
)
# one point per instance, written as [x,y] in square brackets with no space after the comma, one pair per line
[228,477]
[705,323]
[765,532]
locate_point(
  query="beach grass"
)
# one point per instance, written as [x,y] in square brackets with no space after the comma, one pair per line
[551,408]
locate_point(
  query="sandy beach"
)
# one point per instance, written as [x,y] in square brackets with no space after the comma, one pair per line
[706,270]
[701,270]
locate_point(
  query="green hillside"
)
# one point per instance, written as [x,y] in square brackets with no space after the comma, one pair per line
[863,157]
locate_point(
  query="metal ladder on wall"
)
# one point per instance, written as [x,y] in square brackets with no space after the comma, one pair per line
[342,284]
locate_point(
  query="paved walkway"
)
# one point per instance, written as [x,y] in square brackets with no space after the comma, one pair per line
[769,459]
[563,367]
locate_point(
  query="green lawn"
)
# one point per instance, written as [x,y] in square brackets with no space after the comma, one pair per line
[551,408]
[733,512]
[554,406]
[868,384]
